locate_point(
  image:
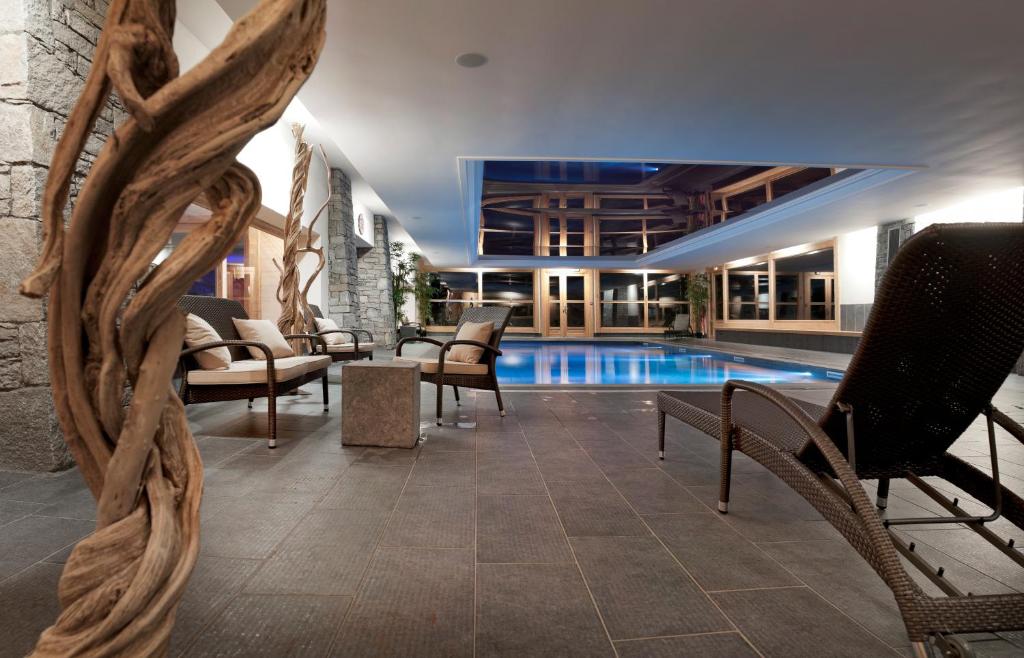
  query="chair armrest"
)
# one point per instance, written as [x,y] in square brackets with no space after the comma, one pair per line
[856,496]
[271,370]
[360,331]
[355,337]
[311,338]
[1008,424]
[475,343]
[415,339]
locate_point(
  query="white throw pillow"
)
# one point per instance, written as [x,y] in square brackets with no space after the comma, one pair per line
[327,324]
[266,332]
[199,332]
[478,331]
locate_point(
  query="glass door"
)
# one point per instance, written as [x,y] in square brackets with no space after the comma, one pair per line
[567,305]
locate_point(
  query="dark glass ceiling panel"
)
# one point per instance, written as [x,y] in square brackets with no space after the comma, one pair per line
[599,173]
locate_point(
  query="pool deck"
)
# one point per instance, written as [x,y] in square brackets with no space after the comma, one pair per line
[552,531]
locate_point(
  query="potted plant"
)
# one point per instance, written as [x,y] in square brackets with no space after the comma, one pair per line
[404,268]
[699,294]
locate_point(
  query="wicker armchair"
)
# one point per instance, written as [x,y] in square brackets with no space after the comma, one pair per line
[253,378]
[945,331]
[354,351]
[483,376]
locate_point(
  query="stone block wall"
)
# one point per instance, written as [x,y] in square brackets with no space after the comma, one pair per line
[376,304]
[46,49]
[882,255]
[342,270]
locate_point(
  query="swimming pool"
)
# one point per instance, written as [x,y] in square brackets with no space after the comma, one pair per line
[615,362]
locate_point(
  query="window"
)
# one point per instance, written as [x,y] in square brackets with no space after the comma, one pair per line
[621,237]
[747,293]
[452,293]
[805,286]
[506,234]
[511,289]
[642,300]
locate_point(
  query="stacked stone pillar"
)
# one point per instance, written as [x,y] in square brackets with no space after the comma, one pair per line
[46,49]
[376,301]
[342,271]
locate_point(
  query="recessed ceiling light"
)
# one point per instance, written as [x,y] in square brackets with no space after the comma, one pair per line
[471,60]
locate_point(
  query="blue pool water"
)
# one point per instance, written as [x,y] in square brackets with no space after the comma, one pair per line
[578,362]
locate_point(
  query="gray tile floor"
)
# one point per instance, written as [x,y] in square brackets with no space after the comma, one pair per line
[553,531]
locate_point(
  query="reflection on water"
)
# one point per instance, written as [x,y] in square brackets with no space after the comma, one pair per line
[528,362]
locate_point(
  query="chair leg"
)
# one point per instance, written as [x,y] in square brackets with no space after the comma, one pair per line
[497,396]
[457,402]
[725,475]
[323,381]
[250,403]
[440,397]
[272,418]
[661,435]
[882,501]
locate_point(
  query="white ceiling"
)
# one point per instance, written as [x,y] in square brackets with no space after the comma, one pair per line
[936,84]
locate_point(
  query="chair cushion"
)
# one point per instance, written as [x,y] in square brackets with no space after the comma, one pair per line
[254,371]
[327,324]
[199,332]
[266,332]
[478,331]
[429,365]
[348,347]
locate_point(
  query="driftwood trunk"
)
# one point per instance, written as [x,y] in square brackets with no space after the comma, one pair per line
[292,320]
[121,586]
[308,248]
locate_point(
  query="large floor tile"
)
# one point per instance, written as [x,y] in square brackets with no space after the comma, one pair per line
[29,604]
[519,529]
[641,591]
[776,622]
[713,645]
[325,554]
[651,491]
[536,610]
[433,517]
[46,488]
[414,602]
[12,510]
[444,469]
[508,473]
[837,572]
[32,538]
[367,487]
[717,556]
[214,582]
[594,509]
[272,626]
[249,528]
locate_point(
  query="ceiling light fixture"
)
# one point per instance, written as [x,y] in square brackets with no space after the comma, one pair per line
[471,60]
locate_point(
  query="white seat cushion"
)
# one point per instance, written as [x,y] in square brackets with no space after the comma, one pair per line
[254,371]
[348,347]
[429,364]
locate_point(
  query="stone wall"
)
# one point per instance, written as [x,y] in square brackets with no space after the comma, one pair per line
[376,303]
[46,49]
[882,255]
[342,271]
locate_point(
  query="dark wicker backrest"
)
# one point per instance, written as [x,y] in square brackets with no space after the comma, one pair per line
[945,331]
[499,315]
[218,312]
[317,313]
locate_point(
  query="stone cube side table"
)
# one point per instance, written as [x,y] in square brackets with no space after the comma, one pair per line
[380,404]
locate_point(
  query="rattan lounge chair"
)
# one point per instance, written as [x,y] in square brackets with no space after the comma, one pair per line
[945,331]
[253,378]
[353,351]
[482,376]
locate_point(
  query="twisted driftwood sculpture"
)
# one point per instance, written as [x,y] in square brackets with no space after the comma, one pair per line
[120,588]
[308,248]
[291,320]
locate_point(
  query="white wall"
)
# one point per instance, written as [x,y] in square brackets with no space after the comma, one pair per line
[270,155]
[856,254]
[1002,206]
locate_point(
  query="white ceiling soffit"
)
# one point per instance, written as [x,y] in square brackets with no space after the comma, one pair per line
[208,22]
[929,83]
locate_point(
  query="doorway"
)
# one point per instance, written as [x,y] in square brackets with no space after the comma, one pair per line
[566,298]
